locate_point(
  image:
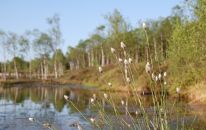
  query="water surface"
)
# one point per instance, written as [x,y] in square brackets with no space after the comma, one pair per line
[47,105]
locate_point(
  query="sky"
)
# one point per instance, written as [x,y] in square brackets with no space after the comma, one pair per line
[79,18]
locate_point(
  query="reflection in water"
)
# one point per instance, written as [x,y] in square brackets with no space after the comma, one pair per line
[47,105]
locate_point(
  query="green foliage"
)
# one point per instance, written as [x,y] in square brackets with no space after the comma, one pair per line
[200,10]
[43,43]
[188,52]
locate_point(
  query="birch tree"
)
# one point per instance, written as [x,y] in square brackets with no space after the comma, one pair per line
[3,38]
[13,49]
[56,36]
[42,46]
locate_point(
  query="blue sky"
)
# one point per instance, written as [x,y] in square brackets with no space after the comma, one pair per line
[79,18]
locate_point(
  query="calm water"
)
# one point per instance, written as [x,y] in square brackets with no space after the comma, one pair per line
[47,105]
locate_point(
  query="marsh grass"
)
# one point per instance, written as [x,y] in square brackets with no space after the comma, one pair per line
[155,117]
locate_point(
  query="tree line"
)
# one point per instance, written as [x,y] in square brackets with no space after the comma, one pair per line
[178,39]
[48,59]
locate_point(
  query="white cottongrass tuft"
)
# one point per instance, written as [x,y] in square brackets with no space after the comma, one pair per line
[94,96]
[105,96]
[165,74]
[66,97]
[148,67]
[120,59]
[122,45]
[31,119]
[178,90]
[92,119]
[130,60]
[122,102]
[100,69]
[128,80]
[153,76]
[136,112]
[161,109]
[92,100]
[112,50]
[110,84]
[126,62]
[144,25]
[165,83]
[156,78]
[159,76]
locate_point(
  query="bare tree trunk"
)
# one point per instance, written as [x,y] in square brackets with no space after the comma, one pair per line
[84,62]
[136,57]
[39,73]
[77,65]
[5,73]
[155,49]
[30,70]
[55,67]
[61,69]
[162,48]
[107,60]
[92,58]
[42,71]
[15,68]
[89,59]
[45,68]
[103,56]
[4,66]
[71,65]
[147,48]
[146,53]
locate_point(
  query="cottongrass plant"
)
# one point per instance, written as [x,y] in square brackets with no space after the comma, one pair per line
[158,84]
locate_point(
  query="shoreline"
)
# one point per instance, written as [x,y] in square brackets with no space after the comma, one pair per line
[79,85]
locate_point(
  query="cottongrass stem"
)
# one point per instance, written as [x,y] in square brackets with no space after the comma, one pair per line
[79,127]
